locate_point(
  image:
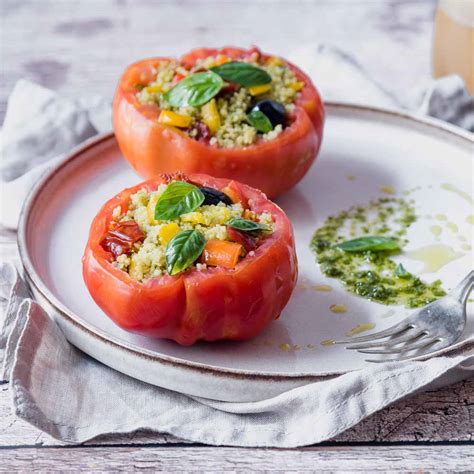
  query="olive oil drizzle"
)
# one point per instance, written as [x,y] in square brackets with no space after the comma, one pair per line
[370,274]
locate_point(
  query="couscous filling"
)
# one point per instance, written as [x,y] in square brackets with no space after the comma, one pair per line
[224,102]
[180,225]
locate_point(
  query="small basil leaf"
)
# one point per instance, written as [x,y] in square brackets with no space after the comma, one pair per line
[194,90]
[179,198]
[242,73]
[401,272]
[260,121]
[374,243]
[246,225]
[183,249]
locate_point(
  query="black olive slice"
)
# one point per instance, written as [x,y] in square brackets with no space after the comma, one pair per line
[275,111]
[213,196]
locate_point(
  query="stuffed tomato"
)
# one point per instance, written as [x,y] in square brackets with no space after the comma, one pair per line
[191,258]
[229,112]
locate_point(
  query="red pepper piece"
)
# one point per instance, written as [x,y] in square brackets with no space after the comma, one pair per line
[177,77]
[227,88]
[121,238]
[248,242]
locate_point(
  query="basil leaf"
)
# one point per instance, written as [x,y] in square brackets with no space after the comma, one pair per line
[183,249]
[374,243]
[179,197]
[260,121]
[246,225]
[242,73]
[194,90]
[401,272]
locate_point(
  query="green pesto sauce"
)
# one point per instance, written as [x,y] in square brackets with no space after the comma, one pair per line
[372,274]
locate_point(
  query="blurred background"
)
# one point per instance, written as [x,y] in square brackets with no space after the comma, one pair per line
[80,47]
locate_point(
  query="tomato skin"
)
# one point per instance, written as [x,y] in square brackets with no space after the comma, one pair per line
[273,166]
[210,305]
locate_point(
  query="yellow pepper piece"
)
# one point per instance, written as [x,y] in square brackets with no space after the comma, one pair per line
[153,89]
[193,217]
[132,267]
[221,59]
[210,116]
[297,86]
[261,89]
[150,209]
[167,117]
[168,231]
[274,61]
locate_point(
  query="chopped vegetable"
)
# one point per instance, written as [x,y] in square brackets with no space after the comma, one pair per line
[259,90]
[153,89]
[297,86]
[275,61]
[213,196]
[167,117]
[168,231]
[150,209]
[221,253]
[210,116]
[121,237]
[193,217]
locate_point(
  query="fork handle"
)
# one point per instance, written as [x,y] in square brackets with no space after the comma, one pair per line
[462,290]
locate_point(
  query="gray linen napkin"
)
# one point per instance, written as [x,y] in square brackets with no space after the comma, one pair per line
[74,398]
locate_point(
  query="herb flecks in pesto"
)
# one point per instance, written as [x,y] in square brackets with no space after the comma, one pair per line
[373,275]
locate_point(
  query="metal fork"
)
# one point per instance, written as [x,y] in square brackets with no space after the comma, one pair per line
[434,327]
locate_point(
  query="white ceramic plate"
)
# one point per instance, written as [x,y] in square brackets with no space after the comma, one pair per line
[364,150]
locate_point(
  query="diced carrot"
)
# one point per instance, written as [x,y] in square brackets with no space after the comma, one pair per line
[221,253]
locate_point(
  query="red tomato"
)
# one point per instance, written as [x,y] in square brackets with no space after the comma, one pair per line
[273,166]
[217,303]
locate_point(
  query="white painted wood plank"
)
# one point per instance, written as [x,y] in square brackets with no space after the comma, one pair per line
[202,459]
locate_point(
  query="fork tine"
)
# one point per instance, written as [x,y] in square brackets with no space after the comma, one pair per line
[391,331]
[409,357]
[401,350]
[409,337]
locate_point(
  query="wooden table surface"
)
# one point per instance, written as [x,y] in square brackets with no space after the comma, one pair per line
[79,48]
